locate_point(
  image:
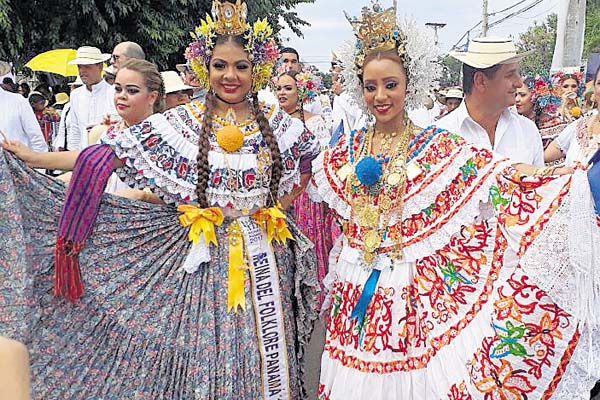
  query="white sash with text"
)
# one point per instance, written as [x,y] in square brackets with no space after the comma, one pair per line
[268,311]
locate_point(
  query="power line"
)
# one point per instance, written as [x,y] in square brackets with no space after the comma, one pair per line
[521,11]
[507,8]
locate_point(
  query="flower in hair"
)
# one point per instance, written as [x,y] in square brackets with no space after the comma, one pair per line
[308,86]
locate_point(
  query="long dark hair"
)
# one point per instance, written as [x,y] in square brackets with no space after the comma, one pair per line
[204,142]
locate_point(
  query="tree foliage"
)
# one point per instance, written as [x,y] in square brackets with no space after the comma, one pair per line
[592,28]
[451,72]
[540,38]
[161,27]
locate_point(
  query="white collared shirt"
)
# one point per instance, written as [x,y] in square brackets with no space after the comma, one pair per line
[347,111]
[89,108]
[516,137]
[18,122]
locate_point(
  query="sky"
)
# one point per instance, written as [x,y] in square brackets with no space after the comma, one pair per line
[329,28]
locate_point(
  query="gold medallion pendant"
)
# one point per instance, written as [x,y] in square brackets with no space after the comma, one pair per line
[372,240]
[368,257]
[385,203]
[394,178]
[369,216]
[343,172]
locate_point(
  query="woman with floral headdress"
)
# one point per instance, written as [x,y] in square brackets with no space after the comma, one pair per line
[579,140]
[452,281]
[293,90]
[539,99]
[571,87]
[212,294]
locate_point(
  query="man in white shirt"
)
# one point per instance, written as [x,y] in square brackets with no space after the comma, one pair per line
[18,121]
[345,110]
[93,101]
[491,77]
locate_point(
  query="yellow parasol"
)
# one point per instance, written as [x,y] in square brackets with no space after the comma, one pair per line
[55,61]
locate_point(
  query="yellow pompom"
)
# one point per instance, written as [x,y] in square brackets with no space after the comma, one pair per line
[576,112]
[230,138]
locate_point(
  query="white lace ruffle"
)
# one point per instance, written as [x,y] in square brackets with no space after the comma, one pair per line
[564,259]
[322,190]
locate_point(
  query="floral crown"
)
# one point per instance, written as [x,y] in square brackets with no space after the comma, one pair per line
[378,30]
[545,95]
[230,19]
[561,76]
[308,85]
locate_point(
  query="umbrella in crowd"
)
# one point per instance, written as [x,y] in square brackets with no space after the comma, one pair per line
[54,61]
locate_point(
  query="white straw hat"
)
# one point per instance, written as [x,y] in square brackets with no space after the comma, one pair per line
[4,68]
[173,82]
[87,55]
[486,52]
[77,82]
[454,93]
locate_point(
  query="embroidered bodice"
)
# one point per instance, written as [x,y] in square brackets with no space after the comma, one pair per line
[161,153]
[446,188]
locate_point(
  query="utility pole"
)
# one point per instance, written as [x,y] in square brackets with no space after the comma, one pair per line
[435,26]
[484,21]
[569,34]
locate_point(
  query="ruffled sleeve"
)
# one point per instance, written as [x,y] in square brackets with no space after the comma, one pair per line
[160,154]
[330,169]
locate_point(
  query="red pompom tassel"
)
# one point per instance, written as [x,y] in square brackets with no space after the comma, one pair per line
[67,275]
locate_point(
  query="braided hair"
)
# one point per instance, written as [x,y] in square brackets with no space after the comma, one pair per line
[204,139]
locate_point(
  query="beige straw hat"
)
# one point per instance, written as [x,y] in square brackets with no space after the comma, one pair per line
[87,55]
[4,68]
[61,98]
[486,52]
[454,93]
[173,82]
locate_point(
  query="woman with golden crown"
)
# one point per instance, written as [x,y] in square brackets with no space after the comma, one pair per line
[210,295]
[461,275]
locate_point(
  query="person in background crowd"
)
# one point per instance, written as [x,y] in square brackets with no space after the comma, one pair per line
[91,103]
[124,51]
[580,139]
[490,78]
[525,104]
[61,99]
[190,79]
[454,96]
[24,89]
[109,74]
[9,85]
[47,117]
[345,110]
[176,92]
[18,121]
[290,59]
[60,141]
[571,85]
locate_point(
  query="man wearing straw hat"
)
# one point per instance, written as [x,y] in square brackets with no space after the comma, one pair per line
[18,121]
[176,91]
[491,77]
[93,101]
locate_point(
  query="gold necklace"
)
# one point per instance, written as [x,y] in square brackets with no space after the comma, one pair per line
[370,209]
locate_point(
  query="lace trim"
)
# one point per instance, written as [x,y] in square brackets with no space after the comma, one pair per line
[322,189]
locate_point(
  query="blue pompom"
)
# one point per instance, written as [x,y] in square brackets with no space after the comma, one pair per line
[368,171]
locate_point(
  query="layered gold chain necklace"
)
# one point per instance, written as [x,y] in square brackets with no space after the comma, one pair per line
[372,204]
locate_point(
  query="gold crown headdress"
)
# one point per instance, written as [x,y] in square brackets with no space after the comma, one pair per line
[377,30]
[230,19]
